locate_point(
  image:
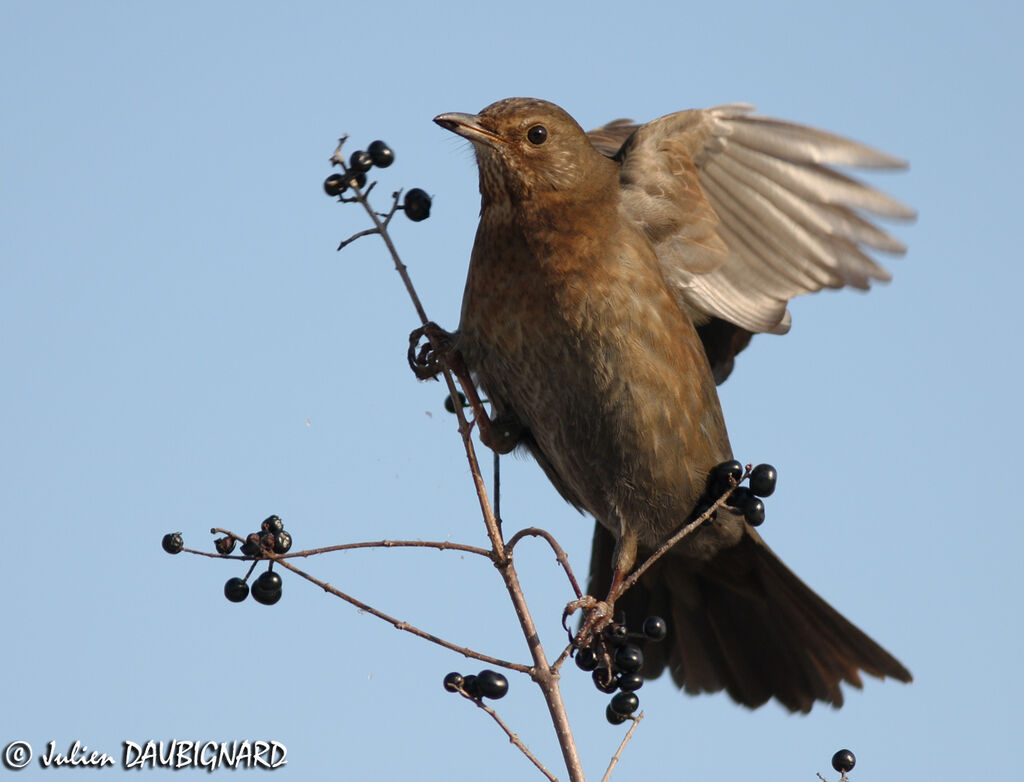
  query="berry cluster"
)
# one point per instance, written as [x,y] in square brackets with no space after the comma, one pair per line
[416,203]
[746,499]
[272,536]
[486,684]
[266,589]
[615,660]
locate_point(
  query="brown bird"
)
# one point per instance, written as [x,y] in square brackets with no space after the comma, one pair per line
[614,278]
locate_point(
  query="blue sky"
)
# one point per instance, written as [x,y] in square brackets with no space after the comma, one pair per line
[183,348]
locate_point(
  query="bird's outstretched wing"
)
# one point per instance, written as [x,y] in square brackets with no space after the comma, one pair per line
[746,212]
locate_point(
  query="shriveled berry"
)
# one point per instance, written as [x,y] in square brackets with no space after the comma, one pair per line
[268,540]
[616,634]
[763,479]
[492,684]
[173,543]
[416,205]
[471,686]
[628,682]
[843,761]
[655,628]
[753,511]
[624,703]
[613,716]
[449,405]
[628,658]
[381,154]
[359,162]
[272,524]
[251,547]
[335,185]
[236,590]
[283,543]
[453,681]
[224,545]
[586,659]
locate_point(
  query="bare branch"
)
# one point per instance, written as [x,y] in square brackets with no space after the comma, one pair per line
[398,623]
[562,557]
[618,753]
[512,737]
[359,235]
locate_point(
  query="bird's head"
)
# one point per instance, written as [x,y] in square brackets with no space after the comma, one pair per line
[527,147]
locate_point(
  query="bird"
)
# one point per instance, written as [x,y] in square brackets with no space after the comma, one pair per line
[615,276]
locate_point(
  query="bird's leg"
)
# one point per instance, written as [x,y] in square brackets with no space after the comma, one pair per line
[428,360]
[599,613]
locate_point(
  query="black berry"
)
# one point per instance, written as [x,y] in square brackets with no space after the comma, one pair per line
[236,590]
[613,716]
[604,681]
[353,179]
[359,162]
[624,703]
[267,588]
[492,684]
[718,480]
[628,658]
[453,681]
[381,154]
[335,185]
[753,511]
[586,659]
[283,542]
[843,761]
[173,542]
[616,634]
[629,682]
[471,686]
[762,480]
[655,628]
[416,205]
[272,524]
[449,405]
[739,497]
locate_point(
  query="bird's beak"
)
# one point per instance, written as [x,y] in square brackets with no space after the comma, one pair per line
[468,126]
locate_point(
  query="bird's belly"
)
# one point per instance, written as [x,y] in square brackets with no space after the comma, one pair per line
[615,391]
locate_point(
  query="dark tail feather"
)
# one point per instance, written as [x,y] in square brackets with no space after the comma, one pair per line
[745,623]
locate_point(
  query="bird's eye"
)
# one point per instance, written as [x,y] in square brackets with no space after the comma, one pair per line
[537,135]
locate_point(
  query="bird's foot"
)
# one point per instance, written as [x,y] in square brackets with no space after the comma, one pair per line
[429,359]
[598,615]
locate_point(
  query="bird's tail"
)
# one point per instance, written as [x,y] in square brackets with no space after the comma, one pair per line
[745,623]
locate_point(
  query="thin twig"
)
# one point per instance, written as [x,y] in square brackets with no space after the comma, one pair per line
[562,557]
[514,738]
[440,545]
[359,235]
[398,623]
[618,753]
